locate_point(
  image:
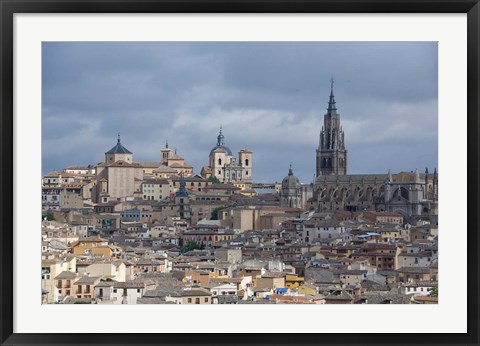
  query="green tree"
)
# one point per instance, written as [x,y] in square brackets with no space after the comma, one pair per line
[192,245]
[49,217]
[213,180]
[434,292]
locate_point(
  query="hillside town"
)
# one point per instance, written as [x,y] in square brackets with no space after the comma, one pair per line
[165,232]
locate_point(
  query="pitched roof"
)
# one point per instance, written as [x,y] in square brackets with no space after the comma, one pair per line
[66,275]
[118,149]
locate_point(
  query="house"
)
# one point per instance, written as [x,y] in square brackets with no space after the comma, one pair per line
[64,283]
[353,277]
[91,246]
[84,287]
[408,274]
[227,289]
[422,288]
[271,280]
[192,295]
[51,268]
[150,265]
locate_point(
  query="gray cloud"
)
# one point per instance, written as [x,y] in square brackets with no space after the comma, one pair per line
[269,97]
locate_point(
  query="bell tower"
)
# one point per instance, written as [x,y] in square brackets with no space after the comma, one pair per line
[331,152]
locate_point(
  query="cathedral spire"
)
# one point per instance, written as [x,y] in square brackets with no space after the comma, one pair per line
[331,152]
[118,138]
[332,109]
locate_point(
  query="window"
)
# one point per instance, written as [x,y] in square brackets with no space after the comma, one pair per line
[197,300]
[189,300]
[246,162]
[206,300]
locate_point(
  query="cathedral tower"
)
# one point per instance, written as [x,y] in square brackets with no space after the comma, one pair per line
[331,152]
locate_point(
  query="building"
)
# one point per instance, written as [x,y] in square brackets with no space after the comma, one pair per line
[410,194]
[118,177]
[156,189]
[293,194]
[331,152]
[170,159]
[224,166]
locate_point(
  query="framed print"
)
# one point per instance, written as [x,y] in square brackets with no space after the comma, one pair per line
[286,172]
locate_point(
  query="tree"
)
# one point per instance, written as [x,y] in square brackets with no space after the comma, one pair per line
[213,180]
[433,292]
[192,245]
[48,217]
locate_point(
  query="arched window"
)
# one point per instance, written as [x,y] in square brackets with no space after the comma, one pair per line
[246,162]
[220,161]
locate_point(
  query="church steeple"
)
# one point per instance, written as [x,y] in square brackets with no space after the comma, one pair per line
[332,109]
[331,152]
[220,138]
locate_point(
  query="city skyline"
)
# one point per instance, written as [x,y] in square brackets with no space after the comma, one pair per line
[268,97]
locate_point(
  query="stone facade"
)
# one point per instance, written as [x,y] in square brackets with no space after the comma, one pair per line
[408,193]
[119,177]
[331,152]
[224,166]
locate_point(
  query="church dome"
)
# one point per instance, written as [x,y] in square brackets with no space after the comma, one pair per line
[220,148]
[290,181]
[221,144]
[119,148]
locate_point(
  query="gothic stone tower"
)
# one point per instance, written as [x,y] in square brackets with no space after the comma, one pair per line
[331,153]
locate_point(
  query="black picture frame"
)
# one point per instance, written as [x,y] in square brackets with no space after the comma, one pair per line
[10,7]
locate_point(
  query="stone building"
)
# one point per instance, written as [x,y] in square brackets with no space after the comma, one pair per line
[175,163]
[224,166]
[408,193]
[331,152]
[118,177]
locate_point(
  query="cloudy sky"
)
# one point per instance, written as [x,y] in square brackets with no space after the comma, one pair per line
[270,97]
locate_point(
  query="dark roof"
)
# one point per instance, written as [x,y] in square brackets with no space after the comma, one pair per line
[118,149]
[66,275]
[195,292]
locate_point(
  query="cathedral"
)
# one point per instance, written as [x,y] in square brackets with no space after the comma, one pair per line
[411,194]
[224,166]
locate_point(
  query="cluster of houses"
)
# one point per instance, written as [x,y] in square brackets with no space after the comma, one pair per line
[257,253]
